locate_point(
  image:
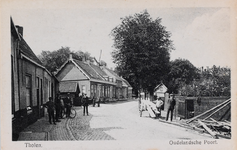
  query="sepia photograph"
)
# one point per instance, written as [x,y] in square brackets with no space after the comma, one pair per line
[118,75]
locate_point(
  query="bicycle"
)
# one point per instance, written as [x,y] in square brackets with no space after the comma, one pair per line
[72,114]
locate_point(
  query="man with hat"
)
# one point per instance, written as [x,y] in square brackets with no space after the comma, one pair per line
[50,108]
[171,103]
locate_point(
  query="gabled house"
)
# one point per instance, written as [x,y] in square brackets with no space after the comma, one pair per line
[160,90]
[32,84]
[90,79]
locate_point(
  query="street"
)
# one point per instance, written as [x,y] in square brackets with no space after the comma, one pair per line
[121,121]
[111,121]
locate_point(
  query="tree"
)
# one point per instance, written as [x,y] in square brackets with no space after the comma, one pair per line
[182,72]
[53,60]
[216,81]
[142,47]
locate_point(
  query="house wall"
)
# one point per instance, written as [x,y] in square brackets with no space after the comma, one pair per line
[129,92]
[86,84]
[160,92]
[73,73]
[14,75]
[125,92]
[39,91]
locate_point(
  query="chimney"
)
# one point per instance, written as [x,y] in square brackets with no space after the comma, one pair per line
[70,56]
[20,30]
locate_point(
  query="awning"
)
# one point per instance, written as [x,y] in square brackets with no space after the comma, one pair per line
[68,87]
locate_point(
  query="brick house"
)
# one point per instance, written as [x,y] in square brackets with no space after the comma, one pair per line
[31,83]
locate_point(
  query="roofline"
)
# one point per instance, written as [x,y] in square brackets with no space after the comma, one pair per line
[24,56]
[75,65]
[61,67]
[97,72]
[114,74]
[80,69]
[159,85]
[12,23]
[102,81]
[126,82]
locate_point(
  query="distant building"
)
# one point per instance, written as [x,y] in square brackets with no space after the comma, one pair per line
[127,89]
[160,90]
[119,82]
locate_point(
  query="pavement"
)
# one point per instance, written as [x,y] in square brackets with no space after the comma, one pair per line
[42,130]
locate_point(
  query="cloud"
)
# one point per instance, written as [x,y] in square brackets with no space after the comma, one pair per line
[206,40]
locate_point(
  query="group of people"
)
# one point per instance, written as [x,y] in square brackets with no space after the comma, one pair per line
[170,106]
[61,106]
[171,102]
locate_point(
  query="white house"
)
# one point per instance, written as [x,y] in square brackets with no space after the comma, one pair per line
[160,90]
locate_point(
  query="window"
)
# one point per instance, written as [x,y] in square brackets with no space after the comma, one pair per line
[28,91]
[102,91]
[41,90]
[46,91]
[37,82]
[92,90]
[37,89]
[49,89]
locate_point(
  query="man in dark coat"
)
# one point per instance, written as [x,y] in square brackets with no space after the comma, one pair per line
[58,108]
[171,104]
[50,108]
[85,102]
[68,105]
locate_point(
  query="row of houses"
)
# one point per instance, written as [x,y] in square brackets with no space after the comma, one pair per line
[32,84]
[98,82]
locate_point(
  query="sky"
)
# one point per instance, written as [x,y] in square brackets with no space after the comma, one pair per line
[200,35]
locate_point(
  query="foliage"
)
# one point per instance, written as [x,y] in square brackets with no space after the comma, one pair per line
[182,72]
[53,60]
[213,81]
[142,47]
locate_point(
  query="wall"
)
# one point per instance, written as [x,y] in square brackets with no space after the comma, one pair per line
[206,104]
[209,102]
[14,75]
[87,85]
[23,117]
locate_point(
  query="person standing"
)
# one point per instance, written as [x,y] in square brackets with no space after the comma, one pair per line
[171,104]
[62,107]
[159,103]
[50,108]
[85,102]
[58,108]
[68,105]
